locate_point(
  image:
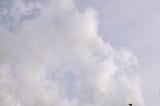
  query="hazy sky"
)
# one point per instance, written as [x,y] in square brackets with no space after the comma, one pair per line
[79,53]
[135,25]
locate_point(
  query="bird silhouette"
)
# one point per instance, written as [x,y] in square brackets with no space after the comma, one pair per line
[130,104]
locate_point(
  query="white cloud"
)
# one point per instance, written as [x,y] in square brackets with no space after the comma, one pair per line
[37,61]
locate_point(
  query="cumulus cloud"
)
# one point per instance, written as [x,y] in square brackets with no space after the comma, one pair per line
[58,59]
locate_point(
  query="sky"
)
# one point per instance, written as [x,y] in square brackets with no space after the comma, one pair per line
[79,52]
[135,26]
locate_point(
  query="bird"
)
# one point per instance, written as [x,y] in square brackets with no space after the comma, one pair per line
[130,104]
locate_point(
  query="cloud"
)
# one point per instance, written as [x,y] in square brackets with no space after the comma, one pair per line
[57,59]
